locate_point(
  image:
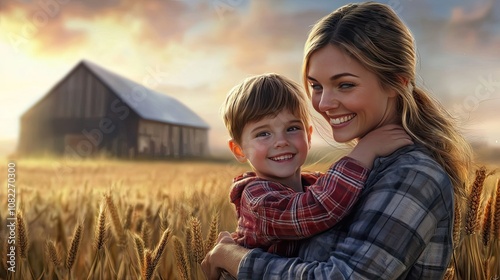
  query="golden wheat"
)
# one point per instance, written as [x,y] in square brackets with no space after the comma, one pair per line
[181,260]
[496,216]
[474,201]
[457,226]
[75,243]
[146,234]
[115,219]
[128,218]
[487,224]
[197,240]
[53,253]
[160,248]
[162,201]
[22,236]
[212,233]
[100,230]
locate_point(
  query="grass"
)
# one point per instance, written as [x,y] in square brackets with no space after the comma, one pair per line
[109,219]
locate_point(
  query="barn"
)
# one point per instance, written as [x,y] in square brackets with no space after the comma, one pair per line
[93,111]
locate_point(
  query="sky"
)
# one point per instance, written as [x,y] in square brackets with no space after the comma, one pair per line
[197,50]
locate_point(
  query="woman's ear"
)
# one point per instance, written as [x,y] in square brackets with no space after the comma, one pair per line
[237,151]
[404,80]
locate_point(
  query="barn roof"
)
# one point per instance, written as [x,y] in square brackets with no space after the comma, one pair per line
[148,104]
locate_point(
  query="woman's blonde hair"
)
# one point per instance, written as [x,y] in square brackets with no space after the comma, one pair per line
[376,37]
[261,96]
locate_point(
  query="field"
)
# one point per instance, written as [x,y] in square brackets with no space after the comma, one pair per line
[106,219]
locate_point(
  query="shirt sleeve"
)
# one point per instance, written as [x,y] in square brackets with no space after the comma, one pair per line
[284,214]
[390,230]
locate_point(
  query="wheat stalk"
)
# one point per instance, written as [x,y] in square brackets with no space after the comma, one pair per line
[139,246]
[457,226]
[487,223]
[158,251]
[197,245]
[164,220]
[152,257]
[52,253]
[101,229]
[75,244]
[474,202]
[147,266]
[471,257]
[189,244]
[127,225]
[212,233]
[472,265]
[494,248]
[496,215]
[115,219]
[22,236]
[181,260]
[146,234]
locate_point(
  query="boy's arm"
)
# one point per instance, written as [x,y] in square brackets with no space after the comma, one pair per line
[382,141]
[282,214]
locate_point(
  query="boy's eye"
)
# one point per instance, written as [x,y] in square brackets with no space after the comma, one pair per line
[262,134]
[294,128]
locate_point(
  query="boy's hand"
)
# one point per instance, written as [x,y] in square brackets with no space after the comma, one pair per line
[382,141]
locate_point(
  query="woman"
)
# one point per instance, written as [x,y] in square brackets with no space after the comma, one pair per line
[359,70]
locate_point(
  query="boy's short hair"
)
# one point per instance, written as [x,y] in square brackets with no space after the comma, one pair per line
[262,96]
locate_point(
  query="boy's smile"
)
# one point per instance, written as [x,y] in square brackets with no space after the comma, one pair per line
[276,147]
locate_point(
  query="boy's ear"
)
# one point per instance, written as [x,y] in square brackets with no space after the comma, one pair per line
[237,151]
[309,134]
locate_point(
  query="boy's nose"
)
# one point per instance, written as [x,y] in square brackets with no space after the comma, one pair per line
[281,141]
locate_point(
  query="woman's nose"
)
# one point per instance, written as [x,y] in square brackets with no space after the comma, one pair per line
[328,101]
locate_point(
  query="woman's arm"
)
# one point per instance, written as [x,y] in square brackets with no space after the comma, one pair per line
[402,226]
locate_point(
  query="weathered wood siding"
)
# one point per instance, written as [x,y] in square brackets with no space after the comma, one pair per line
[168,140]
[81,116]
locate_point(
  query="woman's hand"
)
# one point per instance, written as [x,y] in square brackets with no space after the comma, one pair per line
[226,255]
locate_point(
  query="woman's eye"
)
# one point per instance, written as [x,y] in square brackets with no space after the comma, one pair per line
[346,85]
[316,87]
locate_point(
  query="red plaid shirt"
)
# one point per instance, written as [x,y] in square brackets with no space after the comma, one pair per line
[273,217]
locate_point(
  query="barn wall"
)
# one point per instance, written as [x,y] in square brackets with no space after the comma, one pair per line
[167,140]
[79,117]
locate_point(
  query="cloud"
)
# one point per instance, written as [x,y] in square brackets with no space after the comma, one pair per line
[54,26]
[200,49]
[470,30]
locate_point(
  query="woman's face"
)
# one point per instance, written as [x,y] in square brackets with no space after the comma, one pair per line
[347,95]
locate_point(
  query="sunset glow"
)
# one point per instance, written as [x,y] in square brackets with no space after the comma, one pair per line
[195,51]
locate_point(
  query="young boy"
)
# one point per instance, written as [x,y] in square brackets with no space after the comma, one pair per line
[268,120]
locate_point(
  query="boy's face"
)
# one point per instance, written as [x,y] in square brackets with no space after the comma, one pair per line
[276,147]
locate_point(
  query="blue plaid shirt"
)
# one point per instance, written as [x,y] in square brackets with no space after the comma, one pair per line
[400,228]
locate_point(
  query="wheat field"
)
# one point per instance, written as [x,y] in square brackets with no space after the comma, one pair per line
[110,219]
